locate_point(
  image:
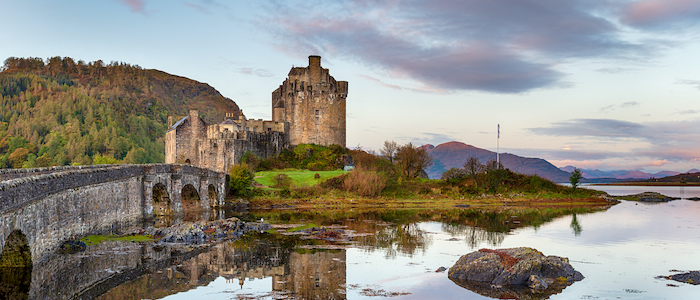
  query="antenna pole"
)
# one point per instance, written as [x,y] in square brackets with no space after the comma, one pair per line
[498,148]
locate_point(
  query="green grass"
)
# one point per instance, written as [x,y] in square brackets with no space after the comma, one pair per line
[96,239]
[300,178]
[303,227]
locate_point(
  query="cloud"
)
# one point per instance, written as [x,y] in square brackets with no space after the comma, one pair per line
[671,140]
[488,46]
[688,112]
[255,72]
[429,138]
[694,83]
[623,105]
[616,70]
[661,14]
[134,5]
[629,104]
[605,128]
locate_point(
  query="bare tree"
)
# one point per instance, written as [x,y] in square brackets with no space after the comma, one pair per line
[473,168]
[411,161]
[389,150]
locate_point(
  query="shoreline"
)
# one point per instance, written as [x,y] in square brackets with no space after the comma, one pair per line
[646,184]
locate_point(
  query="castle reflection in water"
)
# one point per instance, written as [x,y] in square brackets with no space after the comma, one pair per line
[305,274]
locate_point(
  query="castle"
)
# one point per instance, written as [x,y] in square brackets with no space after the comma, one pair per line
[308,108]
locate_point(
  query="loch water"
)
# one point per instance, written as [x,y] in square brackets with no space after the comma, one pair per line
[621,251]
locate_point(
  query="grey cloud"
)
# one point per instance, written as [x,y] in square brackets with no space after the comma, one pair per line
[593,127]
[694,83]
[255,72]
[561,154]
[629,104]
[673,134]
[615,70]
[488,46]
[688,112]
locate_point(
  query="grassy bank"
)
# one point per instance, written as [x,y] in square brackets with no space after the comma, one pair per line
[300,178]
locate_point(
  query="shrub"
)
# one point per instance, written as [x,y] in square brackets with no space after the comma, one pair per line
[453,175]
[365,183]
[283,181]
[240,179]
[317,176]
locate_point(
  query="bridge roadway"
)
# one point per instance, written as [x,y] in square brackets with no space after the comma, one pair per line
[51,205]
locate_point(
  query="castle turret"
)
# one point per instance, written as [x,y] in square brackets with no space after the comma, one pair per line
[315,69]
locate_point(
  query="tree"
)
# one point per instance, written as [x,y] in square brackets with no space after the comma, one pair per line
[411,161]
[575,178]
[389,150]
[473,167]
[241,178]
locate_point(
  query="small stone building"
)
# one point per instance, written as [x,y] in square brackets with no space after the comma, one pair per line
[219,146]
[308,108]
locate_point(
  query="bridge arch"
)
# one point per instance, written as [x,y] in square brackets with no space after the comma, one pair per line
[162,205]
[213,195]
[15,250]
[15,266]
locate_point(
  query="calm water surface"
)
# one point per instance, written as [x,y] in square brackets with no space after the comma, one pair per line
[620,251]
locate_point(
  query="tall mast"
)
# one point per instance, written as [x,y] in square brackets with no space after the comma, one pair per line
[498,148]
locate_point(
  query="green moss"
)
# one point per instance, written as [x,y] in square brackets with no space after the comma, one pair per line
[303,227]
[96,239]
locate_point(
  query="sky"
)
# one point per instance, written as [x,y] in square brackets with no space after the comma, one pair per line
[609,85]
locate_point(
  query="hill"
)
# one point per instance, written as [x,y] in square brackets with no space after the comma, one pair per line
[623,174]
[455,154]
[62,112]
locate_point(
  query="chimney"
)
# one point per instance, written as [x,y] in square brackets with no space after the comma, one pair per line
[315,68]
[170,122]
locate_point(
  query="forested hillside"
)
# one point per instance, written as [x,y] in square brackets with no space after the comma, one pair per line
[63,112]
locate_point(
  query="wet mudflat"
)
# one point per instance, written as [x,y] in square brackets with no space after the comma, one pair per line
[622,252]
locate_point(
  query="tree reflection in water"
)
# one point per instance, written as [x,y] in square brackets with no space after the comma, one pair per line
[400,238]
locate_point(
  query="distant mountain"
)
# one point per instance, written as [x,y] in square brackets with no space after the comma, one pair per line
[623,174]
[455,154]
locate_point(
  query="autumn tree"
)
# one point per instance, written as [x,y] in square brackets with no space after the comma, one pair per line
[389,150]
[411,161]
[473,167]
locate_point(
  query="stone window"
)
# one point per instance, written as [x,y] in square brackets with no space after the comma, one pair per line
[316,113]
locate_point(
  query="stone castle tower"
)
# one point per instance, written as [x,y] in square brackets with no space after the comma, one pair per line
[313,103]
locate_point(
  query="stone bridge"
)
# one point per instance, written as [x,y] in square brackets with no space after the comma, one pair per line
[51,205]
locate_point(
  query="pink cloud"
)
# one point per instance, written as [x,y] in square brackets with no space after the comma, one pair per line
[658,12]
[134,5]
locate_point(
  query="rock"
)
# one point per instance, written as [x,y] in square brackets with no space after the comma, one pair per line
[499,272]
[537,283]
[692,277]
[650,197]
[440,270]
[72,247]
